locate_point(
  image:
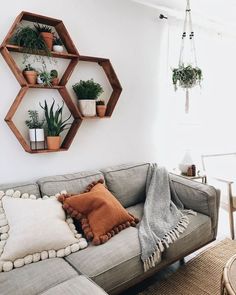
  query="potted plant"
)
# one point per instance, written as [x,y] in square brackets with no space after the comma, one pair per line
[35,125]
[29,39]
[87,92]
[186,76]
[54,77]
[30,74]
[46,33]
[101,108]
[57,45]
[44,78]
[55,124]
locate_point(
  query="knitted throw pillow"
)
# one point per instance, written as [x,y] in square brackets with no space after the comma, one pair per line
[34,229]
[101,215]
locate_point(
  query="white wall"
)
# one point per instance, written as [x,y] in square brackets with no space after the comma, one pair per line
[210,126]
[129,35]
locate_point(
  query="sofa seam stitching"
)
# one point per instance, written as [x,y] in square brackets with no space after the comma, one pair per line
[56,284]
[121,169]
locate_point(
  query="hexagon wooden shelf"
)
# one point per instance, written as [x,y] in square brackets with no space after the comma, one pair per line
[73,55]
[70,134]
[112,78]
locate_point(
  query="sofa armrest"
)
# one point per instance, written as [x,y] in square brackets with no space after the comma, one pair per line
[199,197]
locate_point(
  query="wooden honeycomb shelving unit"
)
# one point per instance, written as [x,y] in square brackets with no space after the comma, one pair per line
[73,55]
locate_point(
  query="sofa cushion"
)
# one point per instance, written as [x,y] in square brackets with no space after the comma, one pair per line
[25,187]
[112,263]
[79,285]
[198,233]
[33,279]
[127,182]
[72,183]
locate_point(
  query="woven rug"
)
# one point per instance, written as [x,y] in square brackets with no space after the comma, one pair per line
[200,276]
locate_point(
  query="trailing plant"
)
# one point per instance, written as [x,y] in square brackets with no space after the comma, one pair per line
[31,42]
[29,39]
[100,102]
[57,41]
[186,76]
[87,89]
[42,28]
[34,122]
[54,74]
[28,68]
[55,124]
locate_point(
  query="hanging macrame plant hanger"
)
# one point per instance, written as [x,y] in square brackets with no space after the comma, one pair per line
[192,74]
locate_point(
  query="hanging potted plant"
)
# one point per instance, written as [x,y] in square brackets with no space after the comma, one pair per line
[186,76]
[46,33]
[55,124]
[30,74]
[54,77]
[87,92]
[57,45]
[101,108]
[35,125]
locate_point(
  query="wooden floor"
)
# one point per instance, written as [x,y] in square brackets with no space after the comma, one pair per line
[223,232]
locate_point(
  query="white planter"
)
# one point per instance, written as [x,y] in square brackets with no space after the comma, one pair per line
[87,107]
[57,48]
[36,134]
[39,80]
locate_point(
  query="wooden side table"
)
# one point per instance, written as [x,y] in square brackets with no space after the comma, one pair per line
[228,281]
[199,176]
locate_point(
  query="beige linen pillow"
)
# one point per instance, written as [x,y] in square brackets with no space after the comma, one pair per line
[34,229]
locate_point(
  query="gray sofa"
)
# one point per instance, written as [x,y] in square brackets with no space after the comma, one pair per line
[115,265]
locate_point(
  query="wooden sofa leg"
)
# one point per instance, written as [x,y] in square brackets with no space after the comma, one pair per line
[231,223]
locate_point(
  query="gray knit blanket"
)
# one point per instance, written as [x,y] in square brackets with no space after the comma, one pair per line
[163,219]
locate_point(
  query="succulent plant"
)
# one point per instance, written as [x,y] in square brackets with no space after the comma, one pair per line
[34,122]
[55,124]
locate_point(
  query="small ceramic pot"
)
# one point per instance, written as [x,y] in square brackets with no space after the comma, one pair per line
[48,39]
[39,80]
[87,107]
[30,76]
[36,135]
[55,81]
[53,142]
[58,48]
[101,110]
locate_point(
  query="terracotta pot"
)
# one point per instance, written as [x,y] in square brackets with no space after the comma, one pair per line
[55,81]
[101,110]
[53,142]
[30,76]
[48,39]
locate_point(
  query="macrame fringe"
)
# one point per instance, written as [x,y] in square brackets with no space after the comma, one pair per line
[168,239]
[187,102]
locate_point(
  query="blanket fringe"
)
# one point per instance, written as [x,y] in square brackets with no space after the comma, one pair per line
[168,239]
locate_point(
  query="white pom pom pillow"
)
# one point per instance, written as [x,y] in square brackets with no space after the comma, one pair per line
[34,229]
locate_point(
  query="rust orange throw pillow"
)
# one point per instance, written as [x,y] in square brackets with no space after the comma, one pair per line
[101,215]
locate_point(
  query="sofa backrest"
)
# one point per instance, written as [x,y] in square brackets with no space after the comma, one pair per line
[73,183]
[127,182]
[25,187]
